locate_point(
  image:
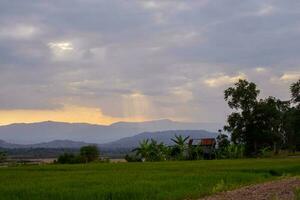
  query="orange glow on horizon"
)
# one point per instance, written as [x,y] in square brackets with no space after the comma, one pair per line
[71,114]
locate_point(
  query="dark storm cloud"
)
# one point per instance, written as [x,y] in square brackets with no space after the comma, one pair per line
[178,56]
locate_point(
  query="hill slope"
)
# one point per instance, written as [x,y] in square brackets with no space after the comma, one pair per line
[126,143]
[163,136]
[48,131]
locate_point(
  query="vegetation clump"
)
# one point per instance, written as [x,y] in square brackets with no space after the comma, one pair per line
[257,127]
[87,154]
[3,156]
[261,124]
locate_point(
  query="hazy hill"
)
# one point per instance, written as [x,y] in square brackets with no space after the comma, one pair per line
[55,144]
[48,131]
[7,145]
[163,136]
[124,143]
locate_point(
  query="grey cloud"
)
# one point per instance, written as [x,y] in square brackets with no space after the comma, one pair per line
[164,53]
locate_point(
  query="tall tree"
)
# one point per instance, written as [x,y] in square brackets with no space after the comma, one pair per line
[267,124]
[256,124]
[291,120]
[242,98]
[295,92]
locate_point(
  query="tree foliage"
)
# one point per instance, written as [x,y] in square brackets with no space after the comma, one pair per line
[295,92]
[265,123]
[151,150]
[69,158]
[291,122]
[180,147]
[89,153]
[242,96]
[222,141]
[3,156]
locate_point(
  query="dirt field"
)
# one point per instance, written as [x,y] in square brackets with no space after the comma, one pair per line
[281,189]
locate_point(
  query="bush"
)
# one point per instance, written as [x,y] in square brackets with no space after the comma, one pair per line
[297,194]
[89,153]
[2,156]
[69,158]
[232,151]
[195,152]
[132,158]
[265,152]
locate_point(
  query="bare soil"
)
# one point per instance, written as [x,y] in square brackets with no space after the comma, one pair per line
[275,190]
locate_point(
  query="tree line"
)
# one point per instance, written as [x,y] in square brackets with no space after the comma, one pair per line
[151,150]
[256,126]
[259,124]
[87,154]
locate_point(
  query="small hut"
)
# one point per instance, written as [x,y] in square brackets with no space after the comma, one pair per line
[208,145]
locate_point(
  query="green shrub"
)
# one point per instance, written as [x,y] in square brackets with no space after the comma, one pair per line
[3,156]
[297,194]
[132,158]
[232,151]
[69,158]
[265,152]
[89,153]
[195,152]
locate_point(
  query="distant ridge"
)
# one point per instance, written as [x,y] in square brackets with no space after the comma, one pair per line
[125,143]
[42,132]
[55,144]
[162,136]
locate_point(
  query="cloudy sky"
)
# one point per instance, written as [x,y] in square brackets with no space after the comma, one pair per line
[102,61]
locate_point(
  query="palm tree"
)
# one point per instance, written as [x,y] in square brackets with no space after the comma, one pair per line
[180,146]
[151,151]
[143,150]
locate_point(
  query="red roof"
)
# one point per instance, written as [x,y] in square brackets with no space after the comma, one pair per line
[208,141]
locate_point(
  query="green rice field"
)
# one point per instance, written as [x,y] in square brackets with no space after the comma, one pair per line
[153,181]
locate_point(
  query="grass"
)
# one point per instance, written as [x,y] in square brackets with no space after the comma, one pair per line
[297,194]
[161,180]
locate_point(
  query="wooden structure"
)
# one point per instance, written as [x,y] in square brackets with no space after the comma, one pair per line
[208,145]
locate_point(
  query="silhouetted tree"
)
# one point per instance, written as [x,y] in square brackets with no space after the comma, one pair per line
[295,92]
[89,153]
[222,141]
[256,124]
[3,156]
[243,98]
[291,120]
[267,123]
[69,158]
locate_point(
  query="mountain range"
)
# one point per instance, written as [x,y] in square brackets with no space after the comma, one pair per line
[123,143]
[55,144]
[44,132]
[162,136]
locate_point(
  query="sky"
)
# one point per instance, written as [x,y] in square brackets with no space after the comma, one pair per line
[100,61]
